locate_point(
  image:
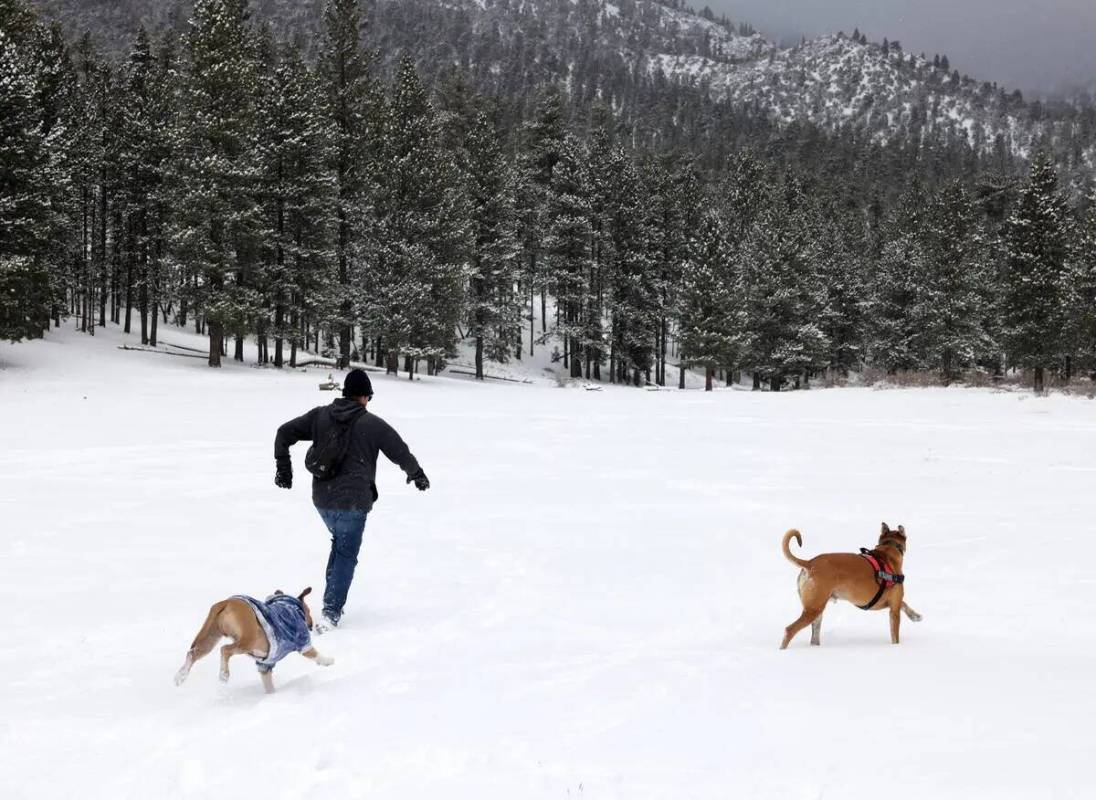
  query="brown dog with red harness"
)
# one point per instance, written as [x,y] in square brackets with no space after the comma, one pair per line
[871,580]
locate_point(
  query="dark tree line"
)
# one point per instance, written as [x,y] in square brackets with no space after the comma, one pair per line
[302,195]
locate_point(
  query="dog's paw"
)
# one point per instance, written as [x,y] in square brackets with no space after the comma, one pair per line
[325,661]
[915,617]
[180,676]
[223,676]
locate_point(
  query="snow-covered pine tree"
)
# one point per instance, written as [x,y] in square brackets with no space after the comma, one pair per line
[842,266]
[354,108]
[494,306]
[53,74]
[1083,310]
[26,298]
[933,295]
[708,325]
[567,248]
[672,217]
[782,291]
[604,170]
[632,269]
[541,141]
[106,241]
[297,188]
[214,227]
[85,162]
[147,119]
[955,301]
[1038,248]
[420,233]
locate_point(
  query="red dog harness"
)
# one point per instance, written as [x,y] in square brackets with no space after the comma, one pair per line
[883,574]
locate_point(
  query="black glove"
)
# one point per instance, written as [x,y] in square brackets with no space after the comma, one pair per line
[283,477]
[422,483]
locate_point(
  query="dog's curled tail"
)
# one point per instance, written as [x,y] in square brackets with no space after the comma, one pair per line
[793,534]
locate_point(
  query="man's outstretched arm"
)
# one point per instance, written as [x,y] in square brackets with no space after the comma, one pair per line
[296,430]
[396,450]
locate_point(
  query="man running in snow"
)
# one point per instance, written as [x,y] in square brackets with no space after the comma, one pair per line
[345,499]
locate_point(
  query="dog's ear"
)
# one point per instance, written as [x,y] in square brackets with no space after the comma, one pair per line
[885,529]
[305,593]
[902,530]
[278,592]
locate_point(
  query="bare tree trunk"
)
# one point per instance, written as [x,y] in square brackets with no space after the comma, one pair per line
[152,278]
[1040,384]
[709,374]
[215,344]
[102,249]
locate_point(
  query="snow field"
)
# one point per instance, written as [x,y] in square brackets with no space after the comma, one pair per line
[587,603]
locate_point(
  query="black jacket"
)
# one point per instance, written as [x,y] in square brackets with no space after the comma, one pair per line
[355,485]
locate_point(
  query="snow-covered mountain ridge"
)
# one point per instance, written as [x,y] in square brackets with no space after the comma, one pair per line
[836,81]
[606,50]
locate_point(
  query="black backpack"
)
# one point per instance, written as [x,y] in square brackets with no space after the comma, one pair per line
[330,441]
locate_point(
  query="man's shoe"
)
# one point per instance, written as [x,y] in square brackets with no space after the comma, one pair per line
[325,624]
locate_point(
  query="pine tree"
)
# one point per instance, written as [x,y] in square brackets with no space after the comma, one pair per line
[494,306]
[895,296]
[419,235]
[354,109]
[216,218]
[957,301]
[709,327]
[298,192]
[26,298]
[672,217]
[1083,307]
[541,143]
[633,273]
[843,269]
[567,248]
[1037,238]
[782,290]
[145,152]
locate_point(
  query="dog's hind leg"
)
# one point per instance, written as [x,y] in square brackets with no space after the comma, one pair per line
[227,652]
[203,643]
[268,681]
[816,631]
[913,615]
[808,616]
[184,670]
[895,622]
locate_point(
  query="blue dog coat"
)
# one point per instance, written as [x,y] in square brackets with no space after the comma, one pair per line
[283,622]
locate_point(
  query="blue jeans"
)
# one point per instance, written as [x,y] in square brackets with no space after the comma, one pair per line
[346,540]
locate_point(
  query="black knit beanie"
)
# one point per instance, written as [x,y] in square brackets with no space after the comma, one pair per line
[357,384]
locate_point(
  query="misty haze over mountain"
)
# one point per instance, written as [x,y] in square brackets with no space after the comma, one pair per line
[1034,47]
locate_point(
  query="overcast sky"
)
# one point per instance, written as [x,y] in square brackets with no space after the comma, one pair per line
[1025,44]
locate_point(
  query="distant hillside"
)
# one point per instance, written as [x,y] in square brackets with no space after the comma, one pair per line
[607,50]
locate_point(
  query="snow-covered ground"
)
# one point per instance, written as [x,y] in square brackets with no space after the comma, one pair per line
[587,603]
